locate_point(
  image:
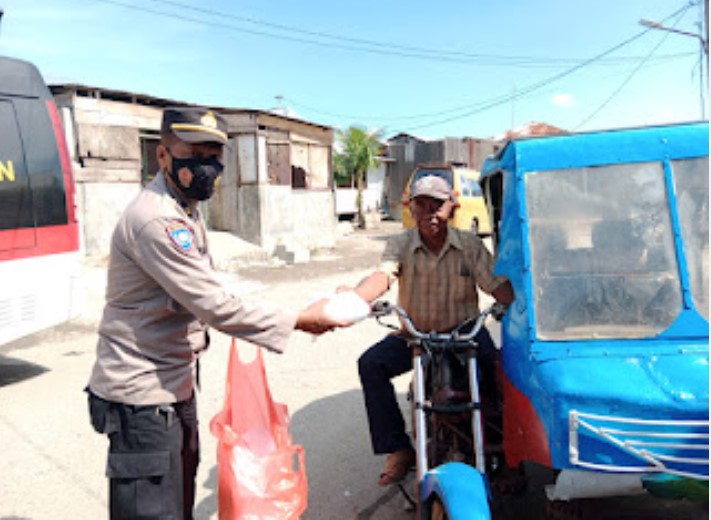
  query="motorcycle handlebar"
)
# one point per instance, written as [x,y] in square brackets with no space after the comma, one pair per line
[383,308]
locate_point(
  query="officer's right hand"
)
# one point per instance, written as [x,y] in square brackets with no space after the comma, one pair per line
[313,319]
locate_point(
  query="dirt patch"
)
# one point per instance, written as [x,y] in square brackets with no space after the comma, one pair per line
[359,250]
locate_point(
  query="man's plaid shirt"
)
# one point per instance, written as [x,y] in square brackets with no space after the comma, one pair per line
[439,291]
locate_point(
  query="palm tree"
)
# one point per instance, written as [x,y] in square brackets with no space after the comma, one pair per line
[359,153]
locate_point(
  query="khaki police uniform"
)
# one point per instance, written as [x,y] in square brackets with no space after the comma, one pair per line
[161,296]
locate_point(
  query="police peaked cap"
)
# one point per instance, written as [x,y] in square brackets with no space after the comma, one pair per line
[194,125]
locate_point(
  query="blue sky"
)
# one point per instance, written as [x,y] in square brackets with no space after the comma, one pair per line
[428,68]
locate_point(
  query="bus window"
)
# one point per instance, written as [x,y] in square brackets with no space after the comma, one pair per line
[15,194]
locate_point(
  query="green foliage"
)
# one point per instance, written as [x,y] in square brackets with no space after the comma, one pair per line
[342,173]
[359,151]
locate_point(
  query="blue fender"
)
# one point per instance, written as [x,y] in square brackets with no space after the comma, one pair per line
[461,489]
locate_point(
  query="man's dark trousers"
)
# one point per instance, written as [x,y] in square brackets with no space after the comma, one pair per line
[390,358]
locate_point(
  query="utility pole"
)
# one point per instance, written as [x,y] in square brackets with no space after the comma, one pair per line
[513,106]
[706,34]
[656,25]
[703,37]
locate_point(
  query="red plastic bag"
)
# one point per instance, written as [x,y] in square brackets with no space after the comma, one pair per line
[261,473]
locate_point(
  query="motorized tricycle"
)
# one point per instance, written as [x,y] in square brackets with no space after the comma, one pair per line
[605,350]
[604,236]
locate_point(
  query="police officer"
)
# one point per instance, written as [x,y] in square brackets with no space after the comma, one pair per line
[161,296]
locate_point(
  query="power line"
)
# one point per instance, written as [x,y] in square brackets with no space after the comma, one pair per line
[627,79]
[359,45]
[527,90]
[618,89]
[409,117]
[404,51]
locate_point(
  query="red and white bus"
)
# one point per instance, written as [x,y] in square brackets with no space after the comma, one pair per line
[40,265]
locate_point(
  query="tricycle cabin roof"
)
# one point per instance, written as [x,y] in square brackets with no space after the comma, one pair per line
[578,150]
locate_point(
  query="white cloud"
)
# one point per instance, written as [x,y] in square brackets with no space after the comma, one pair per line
[562,99]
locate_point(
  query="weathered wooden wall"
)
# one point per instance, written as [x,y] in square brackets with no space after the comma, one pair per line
[108,133]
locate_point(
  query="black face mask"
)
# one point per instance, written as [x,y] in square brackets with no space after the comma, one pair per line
[205,172]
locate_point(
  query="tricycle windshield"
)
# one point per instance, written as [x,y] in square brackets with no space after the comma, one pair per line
[691,184]
[603,260]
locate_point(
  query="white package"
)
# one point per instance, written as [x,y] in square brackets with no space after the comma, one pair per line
[347,306]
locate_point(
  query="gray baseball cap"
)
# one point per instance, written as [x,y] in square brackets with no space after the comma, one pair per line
[431,186]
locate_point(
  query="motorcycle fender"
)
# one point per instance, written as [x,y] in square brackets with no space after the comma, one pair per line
[461,488]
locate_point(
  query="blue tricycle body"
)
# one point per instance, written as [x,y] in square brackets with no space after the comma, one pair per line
[604,236]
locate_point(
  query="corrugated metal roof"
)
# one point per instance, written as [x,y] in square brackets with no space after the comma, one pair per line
[153,101]
[533,128]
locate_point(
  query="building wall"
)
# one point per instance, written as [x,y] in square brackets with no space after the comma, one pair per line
[408,152]
[402,151]
[222,210]
[469,151]
[100,205]
[275,189]
[105,150]
[374,194]
[375,190]
[105,141]
[313,219]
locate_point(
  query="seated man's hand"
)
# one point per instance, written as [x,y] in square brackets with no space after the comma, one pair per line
[498,311]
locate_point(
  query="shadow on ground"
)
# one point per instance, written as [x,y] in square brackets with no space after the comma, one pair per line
[342,474]
[14,370]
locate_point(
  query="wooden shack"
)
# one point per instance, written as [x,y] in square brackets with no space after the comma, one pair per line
[276,189]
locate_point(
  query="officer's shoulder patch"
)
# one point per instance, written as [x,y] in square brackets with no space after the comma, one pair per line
[180,235]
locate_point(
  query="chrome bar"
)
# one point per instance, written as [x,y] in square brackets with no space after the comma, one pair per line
[660,435]
[573,453]
[476,415]
[640,421]
[420,417]
[640,469]
[616,437]
[668,445]
[684,460]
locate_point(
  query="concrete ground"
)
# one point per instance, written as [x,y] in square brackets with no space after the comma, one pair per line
[53,463]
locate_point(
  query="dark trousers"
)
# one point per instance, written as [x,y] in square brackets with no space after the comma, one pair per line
[390,358]
[153,457]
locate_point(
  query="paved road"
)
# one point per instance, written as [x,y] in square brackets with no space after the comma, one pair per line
[53,463]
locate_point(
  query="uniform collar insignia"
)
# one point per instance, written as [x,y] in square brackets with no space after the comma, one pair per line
[209,120]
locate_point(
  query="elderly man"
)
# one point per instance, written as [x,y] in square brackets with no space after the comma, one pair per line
[161,296]
[438,269]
